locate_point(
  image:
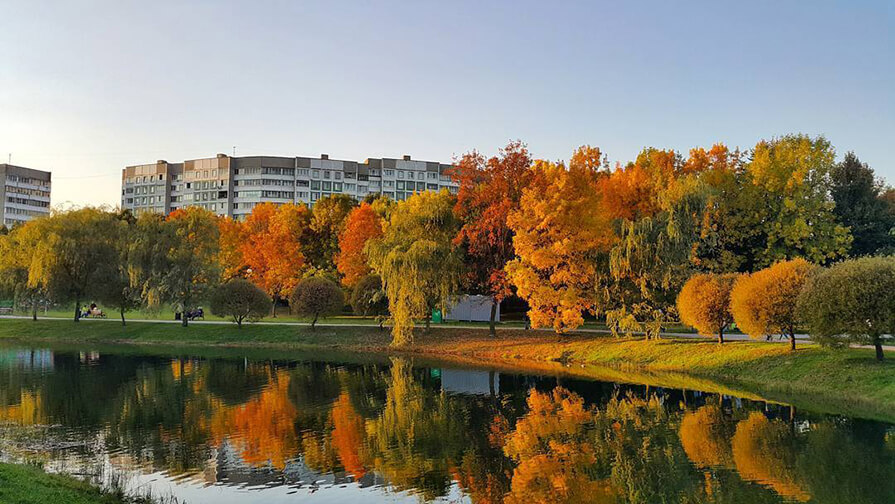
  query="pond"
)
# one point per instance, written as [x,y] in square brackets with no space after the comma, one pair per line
[231,428]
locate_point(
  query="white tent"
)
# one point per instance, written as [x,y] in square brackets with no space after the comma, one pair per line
[472,309]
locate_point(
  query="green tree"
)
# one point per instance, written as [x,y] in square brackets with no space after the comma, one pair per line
[851,301]
[316,296]
[369,299]
[240,300]
[416,259]
[176,258]
[72,258]
[116,288]
[860,205]
[793,173]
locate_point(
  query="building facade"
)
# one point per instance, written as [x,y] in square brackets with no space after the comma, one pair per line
[24,193]
[232,186]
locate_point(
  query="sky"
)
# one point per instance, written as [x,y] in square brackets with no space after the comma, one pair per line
[89,87]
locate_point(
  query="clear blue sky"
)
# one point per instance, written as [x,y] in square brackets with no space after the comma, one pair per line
[89,87]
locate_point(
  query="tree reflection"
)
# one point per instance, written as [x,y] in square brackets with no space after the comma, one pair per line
[764,452]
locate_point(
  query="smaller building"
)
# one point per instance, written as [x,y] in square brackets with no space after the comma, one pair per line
[24,193]
[472,309]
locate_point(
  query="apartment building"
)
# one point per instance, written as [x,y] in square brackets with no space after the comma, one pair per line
[232,186]
[24,193]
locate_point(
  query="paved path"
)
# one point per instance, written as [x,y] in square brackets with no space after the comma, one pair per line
[801,339]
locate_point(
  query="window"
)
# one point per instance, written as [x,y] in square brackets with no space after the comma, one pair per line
[315,173]
[388,173]
[327,174]
[315,185]
[338,175]
[327,186]
[337,186]
[432,175]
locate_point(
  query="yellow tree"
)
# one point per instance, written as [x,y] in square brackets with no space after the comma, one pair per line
[16,254]
[271,248]
[417,261]
[704,303]
[558,235]
[764,302]
[233,236]
[763,452]
[73,256]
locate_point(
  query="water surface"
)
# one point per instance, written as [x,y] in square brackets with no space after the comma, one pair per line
[235,429]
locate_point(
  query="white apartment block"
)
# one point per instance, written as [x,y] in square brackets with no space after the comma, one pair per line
[24,194]
[232,186]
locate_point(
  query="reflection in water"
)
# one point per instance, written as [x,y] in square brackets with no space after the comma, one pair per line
[392,430]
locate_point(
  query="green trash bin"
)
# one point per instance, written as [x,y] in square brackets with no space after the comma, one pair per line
[436,316]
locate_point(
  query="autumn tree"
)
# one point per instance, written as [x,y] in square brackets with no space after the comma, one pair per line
[315,297]
[417,261]
[765,301]
[73,254]
[764,452]
[793,173]
[176,259]
[489,190]
[362,224]
[240,300]
[557,238]
[851,301]
[860,205]
[232,238]
[17,248]
[271,248]
[704,303]
[327,222]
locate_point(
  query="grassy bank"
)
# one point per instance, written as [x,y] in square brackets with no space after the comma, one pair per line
[27,484]
[844,381]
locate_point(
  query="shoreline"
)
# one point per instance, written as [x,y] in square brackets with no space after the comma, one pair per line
[844,381]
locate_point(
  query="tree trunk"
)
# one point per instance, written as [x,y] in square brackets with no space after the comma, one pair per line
[314,322]
[273,308]
[428,319]
[492,330]
[33,309]
[792,340]
[77,310]
[184,319]
[721,336]
[878,344]
[123,322]
[491,382]
[239,322]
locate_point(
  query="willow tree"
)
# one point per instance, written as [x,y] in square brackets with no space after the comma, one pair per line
[652,258]
[176,258]
[417,261]
[72,259]
[16,254]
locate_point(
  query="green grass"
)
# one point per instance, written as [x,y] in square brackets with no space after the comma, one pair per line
[846,381]
[27,484]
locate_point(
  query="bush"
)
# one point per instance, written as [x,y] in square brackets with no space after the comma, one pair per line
[853,301]
[369,299]
[240,300]
[704,303]
[316,296]
[765,301]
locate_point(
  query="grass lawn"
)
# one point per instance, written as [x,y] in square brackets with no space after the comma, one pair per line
[846,381]
[26,484]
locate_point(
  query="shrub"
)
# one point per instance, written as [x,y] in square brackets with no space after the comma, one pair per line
[704,303]
[853,301]
[240,300]
[369,299]
[316,296]
[765,301]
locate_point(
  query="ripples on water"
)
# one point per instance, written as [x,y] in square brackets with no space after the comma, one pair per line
[234,429]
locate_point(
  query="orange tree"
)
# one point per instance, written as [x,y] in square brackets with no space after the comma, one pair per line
[361,225]
[558,236]
[765,301]
[232,237]
[704,303]
[271,248]
[489,190]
